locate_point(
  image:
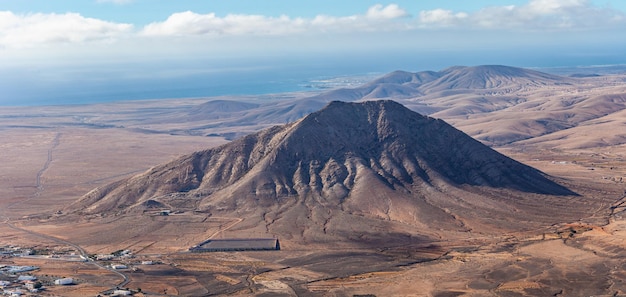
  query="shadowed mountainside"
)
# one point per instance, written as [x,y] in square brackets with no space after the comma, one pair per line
[375,162]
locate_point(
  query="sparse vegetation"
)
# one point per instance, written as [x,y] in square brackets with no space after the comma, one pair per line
[374,220]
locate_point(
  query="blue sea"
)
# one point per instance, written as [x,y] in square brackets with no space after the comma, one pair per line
[100,81]
[100,84]
[96,86]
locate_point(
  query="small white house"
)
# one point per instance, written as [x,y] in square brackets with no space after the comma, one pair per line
[122,293]
[104,257]
[64,281]
[147,262]
[26,278]
[119,266]
[29,285]
[26,252]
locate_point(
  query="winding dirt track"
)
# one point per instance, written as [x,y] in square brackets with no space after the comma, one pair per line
[6,219]
[55,143]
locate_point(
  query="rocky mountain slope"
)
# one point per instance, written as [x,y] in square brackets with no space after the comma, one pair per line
[341,171]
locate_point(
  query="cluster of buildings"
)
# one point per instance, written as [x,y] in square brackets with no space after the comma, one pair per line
[120,260]
[14,251]
[20,286]
[121,254]
[14,281]
[17,280]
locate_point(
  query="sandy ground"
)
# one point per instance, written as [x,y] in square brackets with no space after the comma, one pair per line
[48,164]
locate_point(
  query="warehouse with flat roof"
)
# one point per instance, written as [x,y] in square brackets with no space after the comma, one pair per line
[237,244]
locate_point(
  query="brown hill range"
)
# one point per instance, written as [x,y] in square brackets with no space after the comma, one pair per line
[453,80]
[343,172]
[498,105]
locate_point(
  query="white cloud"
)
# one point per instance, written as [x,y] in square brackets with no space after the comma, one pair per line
[554,6]
[377,18]
[535,15]
[191,23]
[37,29]
[23,31]
[441,17]
[391,11]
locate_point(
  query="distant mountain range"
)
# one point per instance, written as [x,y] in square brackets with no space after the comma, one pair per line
[498,105]
[342,171]
[401,84]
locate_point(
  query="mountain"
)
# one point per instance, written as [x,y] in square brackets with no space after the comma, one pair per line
[489,102]
[374,163]
[457,91]
[561,113]
[602,132]
[490,77]
[222,107]
[407,78]
[402,84]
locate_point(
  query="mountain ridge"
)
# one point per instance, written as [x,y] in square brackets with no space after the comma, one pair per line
[498,105]
[375,160]
[460,78]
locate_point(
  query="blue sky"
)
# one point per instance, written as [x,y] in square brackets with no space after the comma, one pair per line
[48,44]
[131,28]
[142,12]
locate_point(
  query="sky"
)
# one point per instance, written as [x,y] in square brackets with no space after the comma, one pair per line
[48,47]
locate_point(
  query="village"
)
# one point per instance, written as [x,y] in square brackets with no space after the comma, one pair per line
[27,280]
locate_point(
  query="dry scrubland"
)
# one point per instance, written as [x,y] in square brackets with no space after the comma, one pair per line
[573,131]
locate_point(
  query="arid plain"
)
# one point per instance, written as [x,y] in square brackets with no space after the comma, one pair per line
[571,128]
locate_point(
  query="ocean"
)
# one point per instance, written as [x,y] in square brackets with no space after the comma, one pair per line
[101,82]
[85,86]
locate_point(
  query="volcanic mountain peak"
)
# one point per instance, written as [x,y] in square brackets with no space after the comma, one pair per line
[377,130]
[334,157]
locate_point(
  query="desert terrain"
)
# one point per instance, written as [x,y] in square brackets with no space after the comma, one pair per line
[516,243]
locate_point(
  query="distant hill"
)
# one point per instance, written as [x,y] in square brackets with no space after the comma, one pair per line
[407,78]
[498,105]
[340,172]
[489,77]
[402,84]
[222,106]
